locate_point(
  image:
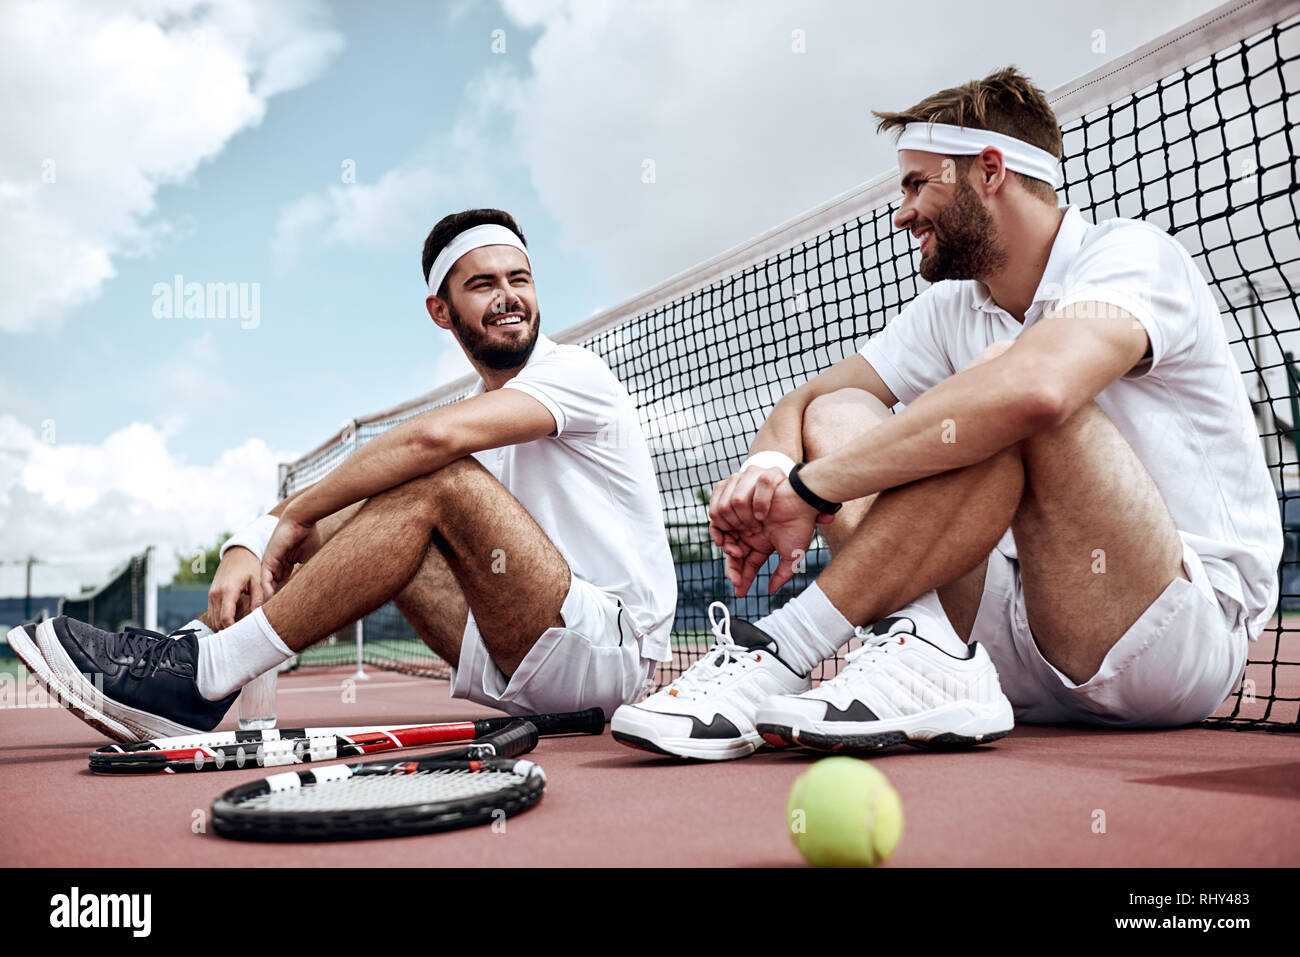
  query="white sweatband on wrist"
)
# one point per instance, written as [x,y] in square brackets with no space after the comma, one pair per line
[469,240]
[770,459]
[255,537]
[1019,156]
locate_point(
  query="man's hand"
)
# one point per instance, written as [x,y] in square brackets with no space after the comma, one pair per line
[292,543]
[744,556]
[240,573]
[737,508]
[789,523]
[754,513]
[740,503]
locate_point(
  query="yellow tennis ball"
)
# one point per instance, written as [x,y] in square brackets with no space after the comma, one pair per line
[842,812]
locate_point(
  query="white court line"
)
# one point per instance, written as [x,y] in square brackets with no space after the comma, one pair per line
[338,687]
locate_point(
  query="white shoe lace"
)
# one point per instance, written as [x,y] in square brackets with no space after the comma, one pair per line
[713,665]
[872,647]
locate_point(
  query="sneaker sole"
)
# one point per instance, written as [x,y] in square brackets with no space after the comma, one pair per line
[29,653]
[793,737]
[641,744]
[675,748]
[645,737]
[929,736]
[138,725]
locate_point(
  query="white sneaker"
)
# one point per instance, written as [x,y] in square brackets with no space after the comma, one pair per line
[897,688]
[708,712]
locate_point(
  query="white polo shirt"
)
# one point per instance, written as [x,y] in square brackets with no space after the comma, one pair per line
[591,486]
[1184,410]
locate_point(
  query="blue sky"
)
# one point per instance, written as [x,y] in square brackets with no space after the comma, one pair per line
[161,138]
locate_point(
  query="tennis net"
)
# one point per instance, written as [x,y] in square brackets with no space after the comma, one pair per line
[1194,132]
[129,597]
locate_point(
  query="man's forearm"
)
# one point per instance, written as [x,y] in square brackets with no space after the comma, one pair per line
[783,430]
[279,509]
[963,420]
[386,461]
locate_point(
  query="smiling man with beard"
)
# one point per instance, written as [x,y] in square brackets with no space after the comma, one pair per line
[519,531]
[1073,500]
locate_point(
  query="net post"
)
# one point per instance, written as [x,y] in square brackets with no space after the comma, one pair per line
[358,628]
[150,589]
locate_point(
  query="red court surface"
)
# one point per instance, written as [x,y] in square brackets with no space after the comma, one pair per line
[1183,798]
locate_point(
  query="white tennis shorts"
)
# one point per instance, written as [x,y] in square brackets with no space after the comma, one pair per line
[594,661]
[1177,663]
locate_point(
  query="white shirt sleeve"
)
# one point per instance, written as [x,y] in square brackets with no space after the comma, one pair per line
[908,354]
[576,387]
[1144,272]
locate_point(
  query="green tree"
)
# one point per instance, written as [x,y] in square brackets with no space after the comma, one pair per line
[690,542]
[201,565]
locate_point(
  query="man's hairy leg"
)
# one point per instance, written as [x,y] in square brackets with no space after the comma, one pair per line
[328,528]
[435,606]
[831,422]
[511,575]
[935,533]
[1096,542]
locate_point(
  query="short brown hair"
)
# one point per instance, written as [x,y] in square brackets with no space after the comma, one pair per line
[1006,102]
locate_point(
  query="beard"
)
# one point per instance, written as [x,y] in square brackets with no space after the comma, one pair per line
[499,357]
[965,243]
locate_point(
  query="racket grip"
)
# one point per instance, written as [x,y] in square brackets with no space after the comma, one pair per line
[519,737]
[591,721]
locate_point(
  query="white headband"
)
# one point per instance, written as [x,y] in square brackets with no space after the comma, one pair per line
[1019,156]
[470,239]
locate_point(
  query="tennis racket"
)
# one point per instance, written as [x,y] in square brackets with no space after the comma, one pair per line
[478,784]
[232,750]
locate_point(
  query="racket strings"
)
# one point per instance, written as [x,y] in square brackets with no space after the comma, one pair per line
[365,792]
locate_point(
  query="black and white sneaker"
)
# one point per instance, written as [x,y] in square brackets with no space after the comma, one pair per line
[22,640]
[708,712]
[131,685]
[897,688]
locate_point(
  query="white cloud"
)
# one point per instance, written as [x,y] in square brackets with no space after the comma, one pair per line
[296,223]
[457,169]
[447,365]
[195,373]
[106,102]
[84,508]
[450,365]
[392,209]
[743,131]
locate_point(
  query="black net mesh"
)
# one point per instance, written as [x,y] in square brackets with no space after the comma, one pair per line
[118,603]
[1207,153]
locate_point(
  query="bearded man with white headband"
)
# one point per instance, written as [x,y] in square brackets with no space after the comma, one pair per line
[1073,498]
[519,531]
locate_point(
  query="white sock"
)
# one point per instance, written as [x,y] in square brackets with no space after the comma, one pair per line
[808,629]
[236,655]
[932,623]
[199,628]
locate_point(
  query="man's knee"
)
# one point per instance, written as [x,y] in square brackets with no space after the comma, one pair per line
[837,415]
[330,525]
[425,496]
[1087,432]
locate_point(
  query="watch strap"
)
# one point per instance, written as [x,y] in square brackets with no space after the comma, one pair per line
[809,496]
